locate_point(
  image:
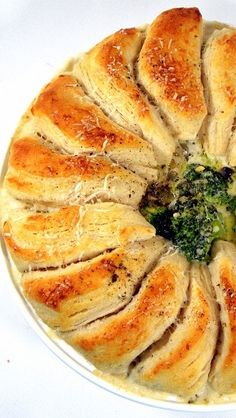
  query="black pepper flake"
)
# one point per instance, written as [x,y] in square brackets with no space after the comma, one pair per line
[114,277]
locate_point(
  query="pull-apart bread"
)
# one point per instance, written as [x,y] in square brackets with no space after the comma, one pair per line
[169,67]
[223,271]
[82,292]
[73,122]
[101,140]
[180,362]
[113,343]
[219,70]
[72,233]
[38,173]
[108,75]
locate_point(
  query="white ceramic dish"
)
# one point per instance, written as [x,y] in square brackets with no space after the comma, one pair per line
[27,68]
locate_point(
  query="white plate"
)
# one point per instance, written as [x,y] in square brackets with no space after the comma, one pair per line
[37,37]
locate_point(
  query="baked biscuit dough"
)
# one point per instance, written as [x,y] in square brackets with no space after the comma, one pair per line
[180,363]
[61,236]
[169,67]
[68,297]
[68,118]
[113,343]
[219,71]
[37,173]
[107,73]
[223,272]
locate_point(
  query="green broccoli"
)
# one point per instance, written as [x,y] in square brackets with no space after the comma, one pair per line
[203,210]
[195,226]
[204,182]
[212,187]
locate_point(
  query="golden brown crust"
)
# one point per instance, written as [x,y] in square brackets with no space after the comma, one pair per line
[112,343]
[52,293]
[169,68]
[40,240]
[181,362]
[37,172]
[109,56]
[29,155]
[61,101]
[70,119]
[107,73]
[223,270]
[219,66]
[82,292]
[228,283]
[193,336]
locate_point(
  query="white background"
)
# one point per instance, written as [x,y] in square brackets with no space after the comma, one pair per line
[36,37]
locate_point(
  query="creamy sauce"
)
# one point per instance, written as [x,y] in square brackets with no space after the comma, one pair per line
[209,396]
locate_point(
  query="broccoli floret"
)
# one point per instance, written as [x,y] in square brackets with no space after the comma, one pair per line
[195,226]
[205,183]
[160,218]
[204,209]
[190,224]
